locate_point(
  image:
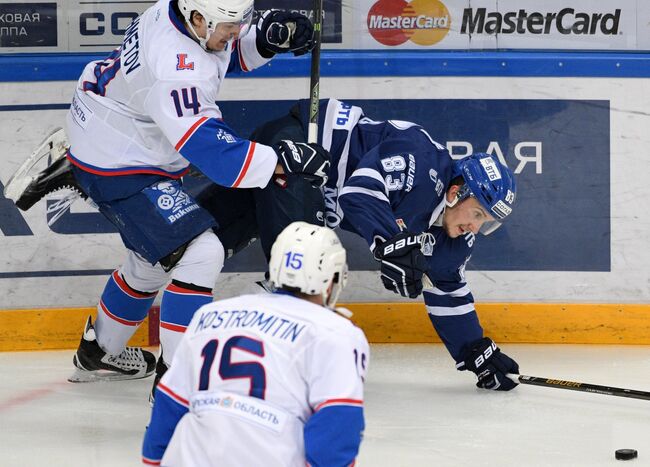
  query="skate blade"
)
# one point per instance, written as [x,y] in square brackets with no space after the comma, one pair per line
[83,376]
[54,145]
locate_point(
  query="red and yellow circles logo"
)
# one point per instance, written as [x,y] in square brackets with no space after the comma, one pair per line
[423,22]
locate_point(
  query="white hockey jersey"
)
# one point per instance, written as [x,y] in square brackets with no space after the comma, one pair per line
[266,379]
[150,107]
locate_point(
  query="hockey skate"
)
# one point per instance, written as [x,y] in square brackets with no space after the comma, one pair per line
[32,181]
[93,364]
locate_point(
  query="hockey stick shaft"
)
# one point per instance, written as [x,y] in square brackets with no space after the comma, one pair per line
[314,84]
[582,387]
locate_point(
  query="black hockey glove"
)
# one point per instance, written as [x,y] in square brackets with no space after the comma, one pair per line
[486,360]
[310,161]
[284,31]
[402,264]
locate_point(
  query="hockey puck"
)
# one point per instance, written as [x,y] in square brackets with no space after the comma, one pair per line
[625,454]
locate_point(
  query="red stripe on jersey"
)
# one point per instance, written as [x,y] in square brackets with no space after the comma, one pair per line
[338,402]
[172,327]
[247,163]
[149,461]
[123,321]
[173,395]
[181,290]
[124,287]
[127,170]
[189,133]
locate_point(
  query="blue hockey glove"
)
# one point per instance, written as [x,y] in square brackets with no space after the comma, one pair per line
[402,264]
[486,360]
[309,160]
[284,31]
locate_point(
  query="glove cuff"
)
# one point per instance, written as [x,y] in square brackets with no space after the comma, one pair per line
[259,44]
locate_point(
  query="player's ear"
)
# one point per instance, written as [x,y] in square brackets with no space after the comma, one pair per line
[196,18]
[452,192]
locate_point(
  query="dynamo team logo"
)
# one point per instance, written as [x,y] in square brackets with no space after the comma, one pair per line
[423,22]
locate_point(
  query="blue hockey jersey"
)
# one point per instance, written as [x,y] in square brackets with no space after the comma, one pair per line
[389,176]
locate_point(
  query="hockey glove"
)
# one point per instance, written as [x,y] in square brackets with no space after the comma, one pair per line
[284,31]
[402,264]
[310,161]
[485,359]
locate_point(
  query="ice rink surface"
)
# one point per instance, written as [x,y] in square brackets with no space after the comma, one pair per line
[419,411]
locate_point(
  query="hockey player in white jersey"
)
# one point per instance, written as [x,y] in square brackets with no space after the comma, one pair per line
[137,120]
[269,379]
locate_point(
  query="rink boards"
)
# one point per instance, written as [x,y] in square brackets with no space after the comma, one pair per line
[570,265]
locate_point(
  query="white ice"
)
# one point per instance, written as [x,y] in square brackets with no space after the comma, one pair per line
[419,411]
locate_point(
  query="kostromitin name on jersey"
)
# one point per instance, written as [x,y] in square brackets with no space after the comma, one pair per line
[423,22]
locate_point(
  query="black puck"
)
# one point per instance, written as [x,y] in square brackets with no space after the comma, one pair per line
[625,454]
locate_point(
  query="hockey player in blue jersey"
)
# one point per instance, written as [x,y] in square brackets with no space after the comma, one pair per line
[418,209]
[137,120]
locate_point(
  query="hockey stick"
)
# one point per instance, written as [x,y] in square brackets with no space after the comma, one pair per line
[314,91]
[582,387]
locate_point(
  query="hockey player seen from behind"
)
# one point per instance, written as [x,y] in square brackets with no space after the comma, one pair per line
[268,379]
[138,118]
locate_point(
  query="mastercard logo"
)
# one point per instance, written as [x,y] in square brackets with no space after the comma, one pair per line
[423,22]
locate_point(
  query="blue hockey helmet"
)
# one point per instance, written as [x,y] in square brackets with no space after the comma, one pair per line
[490,182]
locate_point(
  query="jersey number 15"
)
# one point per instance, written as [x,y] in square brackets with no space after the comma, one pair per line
[254,371]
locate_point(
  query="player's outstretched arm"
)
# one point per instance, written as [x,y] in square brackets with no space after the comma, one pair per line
[450,306]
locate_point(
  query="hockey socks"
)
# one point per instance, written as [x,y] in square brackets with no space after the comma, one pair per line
[120,311]
[179,303]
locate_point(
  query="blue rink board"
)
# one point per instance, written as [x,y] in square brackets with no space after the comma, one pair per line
[562,217]
[373,63]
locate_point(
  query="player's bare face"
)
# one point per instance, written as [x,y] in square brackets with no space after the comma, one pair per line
[466,216]
[223,33]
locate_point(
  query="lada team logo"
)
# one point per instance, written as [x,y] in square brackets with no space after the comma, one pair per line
[423,22]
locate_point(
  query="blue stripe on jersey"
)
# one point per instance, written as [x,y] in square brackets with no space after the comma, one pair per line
[333,435]
[165,416]
[216,150]
[457,331]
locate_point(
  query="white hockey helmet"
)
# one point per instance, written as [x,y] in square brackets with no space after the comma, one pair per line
[307,258]
[218,11]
